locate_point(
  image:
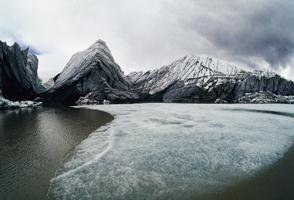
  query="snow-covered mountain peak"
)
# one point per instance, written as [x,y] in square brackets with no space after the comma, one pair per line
[197,71]
[100,45]
[84,61]
[91,73]
[203,61]
[188,69]
[100,42]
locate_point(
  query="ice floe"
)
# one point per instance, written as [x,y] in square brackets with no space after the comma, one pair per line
[173,151]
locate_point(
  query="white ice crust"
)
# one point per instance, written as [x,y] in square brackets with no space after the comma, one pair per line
[173,151]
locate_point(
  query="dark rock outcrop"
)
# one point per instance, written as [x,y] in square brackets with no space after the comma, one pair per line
[18,73]
[92,73]
[275,84]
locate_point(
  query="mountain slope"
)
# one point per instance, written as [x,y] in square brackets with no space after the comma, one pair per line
[92,73]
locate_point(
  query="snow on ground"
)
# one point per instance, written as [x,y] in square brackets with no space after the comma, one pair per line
[173,151]
[6,104]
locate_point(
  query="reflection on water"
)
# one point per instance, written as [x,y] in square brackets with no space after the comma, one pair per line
[33,142]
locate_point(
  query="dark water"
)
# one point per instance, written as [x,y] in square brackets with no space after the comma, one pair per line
[33,143]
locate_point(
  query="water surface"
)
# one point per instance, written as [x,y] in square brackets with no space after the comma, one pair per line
[33,143]
[149,151]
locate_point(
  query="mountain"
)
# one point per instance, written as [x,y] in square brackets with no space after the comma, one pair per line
[94,74]
[18,73]
[197,79]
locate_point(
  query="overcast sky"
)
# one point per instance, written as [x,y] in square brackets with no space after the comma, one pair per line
[145,34]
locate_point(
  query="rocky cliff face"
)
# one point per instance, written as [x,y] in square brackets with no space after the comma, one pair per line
[274,84]
[203,80]
[92,73]
[18,73]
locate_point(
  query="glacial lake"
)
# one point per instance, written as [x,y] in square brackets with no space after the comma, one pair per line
[149,151]
[33,144]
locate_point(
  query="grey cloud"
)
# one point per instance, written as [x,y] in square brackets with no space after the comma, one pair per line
[147,34]
[263,29]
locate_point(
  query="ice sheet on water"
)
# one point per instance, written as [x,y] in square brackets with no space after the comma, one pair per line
[172,151]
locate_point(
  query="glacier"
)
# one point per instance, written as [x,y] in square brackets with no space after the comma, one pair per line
[174,151]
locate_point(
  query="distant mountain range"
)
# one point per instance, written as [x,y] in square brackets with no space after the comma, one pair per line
[194,79]
[92,76]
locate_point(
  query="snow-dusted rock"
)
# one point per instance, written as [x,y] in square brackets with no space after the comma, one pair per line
[87,100]
[91,71]
[265,97]
[18,73]
[219,100]
[275,84]
[191,70]
[6,104]
[204,79]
